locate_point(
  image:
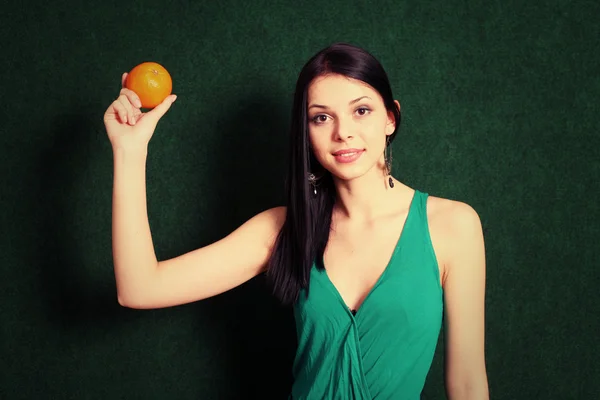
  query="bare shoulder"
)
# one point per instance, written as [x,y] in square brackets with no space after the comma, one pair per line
[453,226]
[269,222]
[275,214]
[455,217]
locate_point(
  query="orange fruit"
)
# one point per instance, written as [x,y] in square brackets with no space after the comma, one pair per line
[151,82]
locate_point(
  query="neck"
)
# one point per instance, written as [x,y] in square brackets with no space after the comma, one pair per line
[368,197]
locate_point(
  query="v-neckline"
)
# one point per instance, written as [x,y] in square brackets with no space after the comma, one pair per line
[354,313]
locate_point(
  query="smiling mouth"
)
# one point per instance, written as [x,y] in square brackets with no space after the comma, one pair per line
[346,157]
[348,154]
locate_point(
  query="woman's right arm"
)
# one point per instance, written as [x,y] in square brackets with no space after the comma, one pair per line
[142,281]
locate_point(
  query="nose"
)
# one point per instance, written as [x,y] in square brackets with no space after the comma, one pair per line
[344,129]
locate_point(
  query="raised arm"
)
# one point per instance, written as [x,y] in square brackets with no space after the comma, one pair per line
[143,281]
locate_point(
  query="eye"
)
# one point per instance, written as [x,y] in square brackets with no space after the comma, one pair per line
[319,119]
[363,111]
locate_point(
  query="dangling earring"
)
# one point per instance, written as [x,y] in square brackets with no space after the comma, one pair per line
[312,179]
[388,162]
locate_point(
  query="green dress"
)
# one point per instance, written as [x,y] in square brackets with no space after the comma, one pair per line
[385,350]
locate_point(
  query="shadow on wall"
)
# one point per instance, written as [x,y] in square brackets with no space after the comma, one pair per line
[74,293]
[250,156]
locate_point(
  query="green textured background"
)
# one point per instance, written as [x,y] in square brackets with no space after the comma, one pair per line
[500,106]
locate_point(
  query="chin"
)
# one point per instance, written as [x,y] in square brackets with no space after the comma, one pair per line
[349,174]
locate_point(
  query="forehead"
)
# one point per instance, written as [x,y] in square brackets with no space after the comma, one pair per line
[334,89]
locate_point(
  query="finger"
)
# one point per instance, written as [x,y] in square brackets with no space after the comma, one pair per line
[157,112]
[132,96]
[123,79]
[119,110]
[124,101]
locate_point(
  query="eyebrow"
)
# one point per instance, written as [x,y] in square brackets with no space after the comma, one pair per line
[352,102]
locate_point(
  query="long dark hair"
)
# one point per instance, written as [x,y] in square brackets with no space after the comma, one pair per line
[305,232]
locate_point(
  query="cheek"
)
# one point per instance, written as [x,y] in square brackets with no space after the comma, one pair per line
[377,125]
[319,143]
[375,129]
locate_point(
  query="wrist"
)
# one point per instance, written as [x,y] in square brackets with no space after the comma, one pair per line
[123,154]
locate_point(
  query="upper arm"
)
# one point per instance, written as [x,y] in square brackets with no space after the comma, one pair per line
[464,303]
[215,268]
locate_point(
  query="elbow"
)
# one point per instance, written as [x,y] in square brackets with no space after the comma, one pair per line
[130,302]
[468,386]
[472,390]
[136,294]
[124,301]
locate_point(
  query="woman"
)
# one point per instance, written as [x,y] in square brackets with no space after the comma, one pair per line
[370,265]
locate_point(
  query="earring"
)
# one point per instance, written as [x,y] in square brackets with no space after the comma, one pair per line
[388,162]
[312,179]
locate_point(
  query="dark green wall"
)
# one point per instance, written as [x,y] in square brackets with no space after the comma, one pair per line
[500,105]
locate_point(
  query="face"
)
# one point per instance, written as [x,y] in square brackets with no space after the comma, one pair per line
[348,126]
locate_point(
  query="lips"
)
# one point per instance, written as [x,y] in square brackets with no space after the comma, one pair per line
[347,151]
[348,155]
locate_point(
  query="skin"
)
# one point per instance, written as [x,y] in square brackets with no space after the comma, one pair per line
[368,218]
[366,222]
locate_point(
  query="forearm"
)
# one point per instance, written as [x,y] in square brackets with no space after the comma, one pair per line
[133,251]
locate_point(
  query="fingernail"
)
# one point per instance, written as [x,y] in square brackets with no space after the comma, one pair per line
[138,103]
[174,98]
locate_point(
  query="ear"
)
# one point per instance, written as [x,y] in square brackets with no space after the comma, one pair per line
[391,123]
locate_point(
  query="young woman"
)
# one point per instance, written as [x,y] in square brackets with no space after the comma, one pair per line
[370,265]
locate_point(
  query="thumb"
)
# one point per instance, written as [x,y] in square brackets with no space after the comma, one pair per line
[157,112]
